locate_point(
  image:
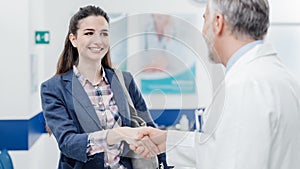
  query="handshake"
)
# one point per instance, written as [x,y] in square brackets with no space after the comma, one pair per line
[145,141]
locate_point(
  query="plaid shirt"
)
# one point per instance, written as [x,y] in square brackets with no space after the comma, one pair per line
[101,97]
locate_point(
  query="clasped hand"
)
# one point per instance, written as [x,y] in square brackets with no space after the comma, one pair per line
[149,141]
[145,141]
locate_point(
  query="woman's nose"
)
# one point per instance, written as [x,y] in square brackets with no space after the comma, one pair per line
[98,39]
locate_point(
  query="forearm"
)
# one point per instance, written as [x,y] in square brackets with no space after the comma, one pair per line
[114,136]
[98,143]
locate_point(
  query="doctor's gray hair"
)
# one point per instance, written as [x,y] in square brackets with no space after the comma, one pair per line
[245,17]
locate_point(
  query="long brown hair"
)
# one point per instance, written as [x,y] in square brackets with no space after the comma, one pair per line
[69,55]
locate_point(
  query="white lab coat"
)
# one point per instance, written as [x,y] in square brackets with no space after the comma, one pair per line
[256,126]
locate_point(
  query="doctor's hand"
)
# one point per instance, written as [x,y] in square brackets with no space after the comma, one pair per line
[134,137]
[158,137]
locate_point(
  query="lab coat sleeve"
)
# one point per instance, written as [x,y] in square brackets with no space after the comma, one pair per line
[180,148]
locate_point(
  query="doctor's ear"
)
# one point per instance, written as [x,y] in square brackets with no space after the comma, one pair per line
[72,38]
[219,23]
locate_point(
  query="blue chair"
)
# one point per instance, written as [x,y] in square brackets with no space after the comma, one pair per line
[5,160]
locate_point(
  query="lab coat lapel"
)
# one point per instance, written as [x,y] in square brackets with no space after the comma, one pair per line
[214,112]
[83,107]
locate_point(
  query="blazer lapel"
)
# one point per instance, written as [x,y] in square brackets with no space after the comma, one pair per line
[119,96]
[83,107]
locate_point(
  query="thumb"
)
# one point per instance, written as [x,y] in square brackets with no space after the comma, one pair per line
[141,133]
[132,147]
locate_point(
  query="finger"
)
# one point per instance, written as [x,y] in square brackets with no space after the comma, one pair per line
[146,153]
[132,147]
[150,145]
[139,150]
[142,151]
[149,156]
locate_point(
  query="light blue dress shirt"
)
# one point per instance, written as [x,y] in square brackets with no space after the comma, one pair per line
[240,52]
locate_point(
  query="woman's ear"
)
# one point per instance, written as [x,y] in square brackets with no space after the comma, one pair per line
[72,38]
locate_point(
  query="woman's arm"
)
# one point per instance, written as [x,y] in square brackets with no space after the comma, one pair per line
[71,142]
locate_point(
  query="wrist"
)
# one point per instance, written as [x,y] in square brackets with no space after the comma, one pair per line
[113,136]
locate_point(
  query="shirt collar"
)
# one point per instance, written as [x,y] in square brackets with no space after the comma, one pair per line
[240,52]
[83,80]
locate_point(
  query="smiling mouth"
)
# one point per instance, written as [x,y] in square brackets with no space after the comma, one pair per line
[96,49]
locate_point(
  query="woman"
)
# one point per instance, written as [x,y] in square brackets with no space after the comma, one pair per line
[84,104]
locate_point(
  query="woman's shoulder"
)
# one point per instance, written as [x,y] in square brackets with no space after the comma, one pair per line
[52,79]
[57,78]
[51,83]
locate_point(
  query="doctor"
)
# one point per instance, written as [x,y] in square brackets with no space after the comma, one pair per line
[254,119]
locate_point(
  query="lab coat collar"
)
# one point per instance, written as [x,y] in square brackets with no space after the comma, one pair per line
[240,52]
[260,50]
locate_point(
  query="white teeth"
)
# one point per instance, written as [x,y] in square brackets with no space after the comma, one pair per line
[96,49]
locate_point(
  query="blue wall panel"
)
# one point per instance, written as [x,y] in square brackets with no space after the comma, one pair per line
[21,134]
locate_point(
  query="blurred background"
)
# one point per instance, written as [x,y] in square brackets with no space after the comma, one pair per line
[172,70]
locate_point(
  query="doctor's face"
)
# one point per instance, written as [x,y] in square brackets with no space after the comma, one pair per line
[92,39]
[209,35]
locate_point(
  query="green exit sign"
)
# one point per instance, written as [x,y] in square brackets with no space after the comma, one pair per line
[42,37]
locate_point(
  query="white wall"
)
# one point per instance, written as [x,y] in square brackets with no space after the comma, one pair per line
[20,58]
[284,11]
[284,32]
[14,73]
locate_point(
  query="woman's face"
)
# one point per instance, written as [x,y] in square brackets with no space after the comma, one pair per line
[92,40]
